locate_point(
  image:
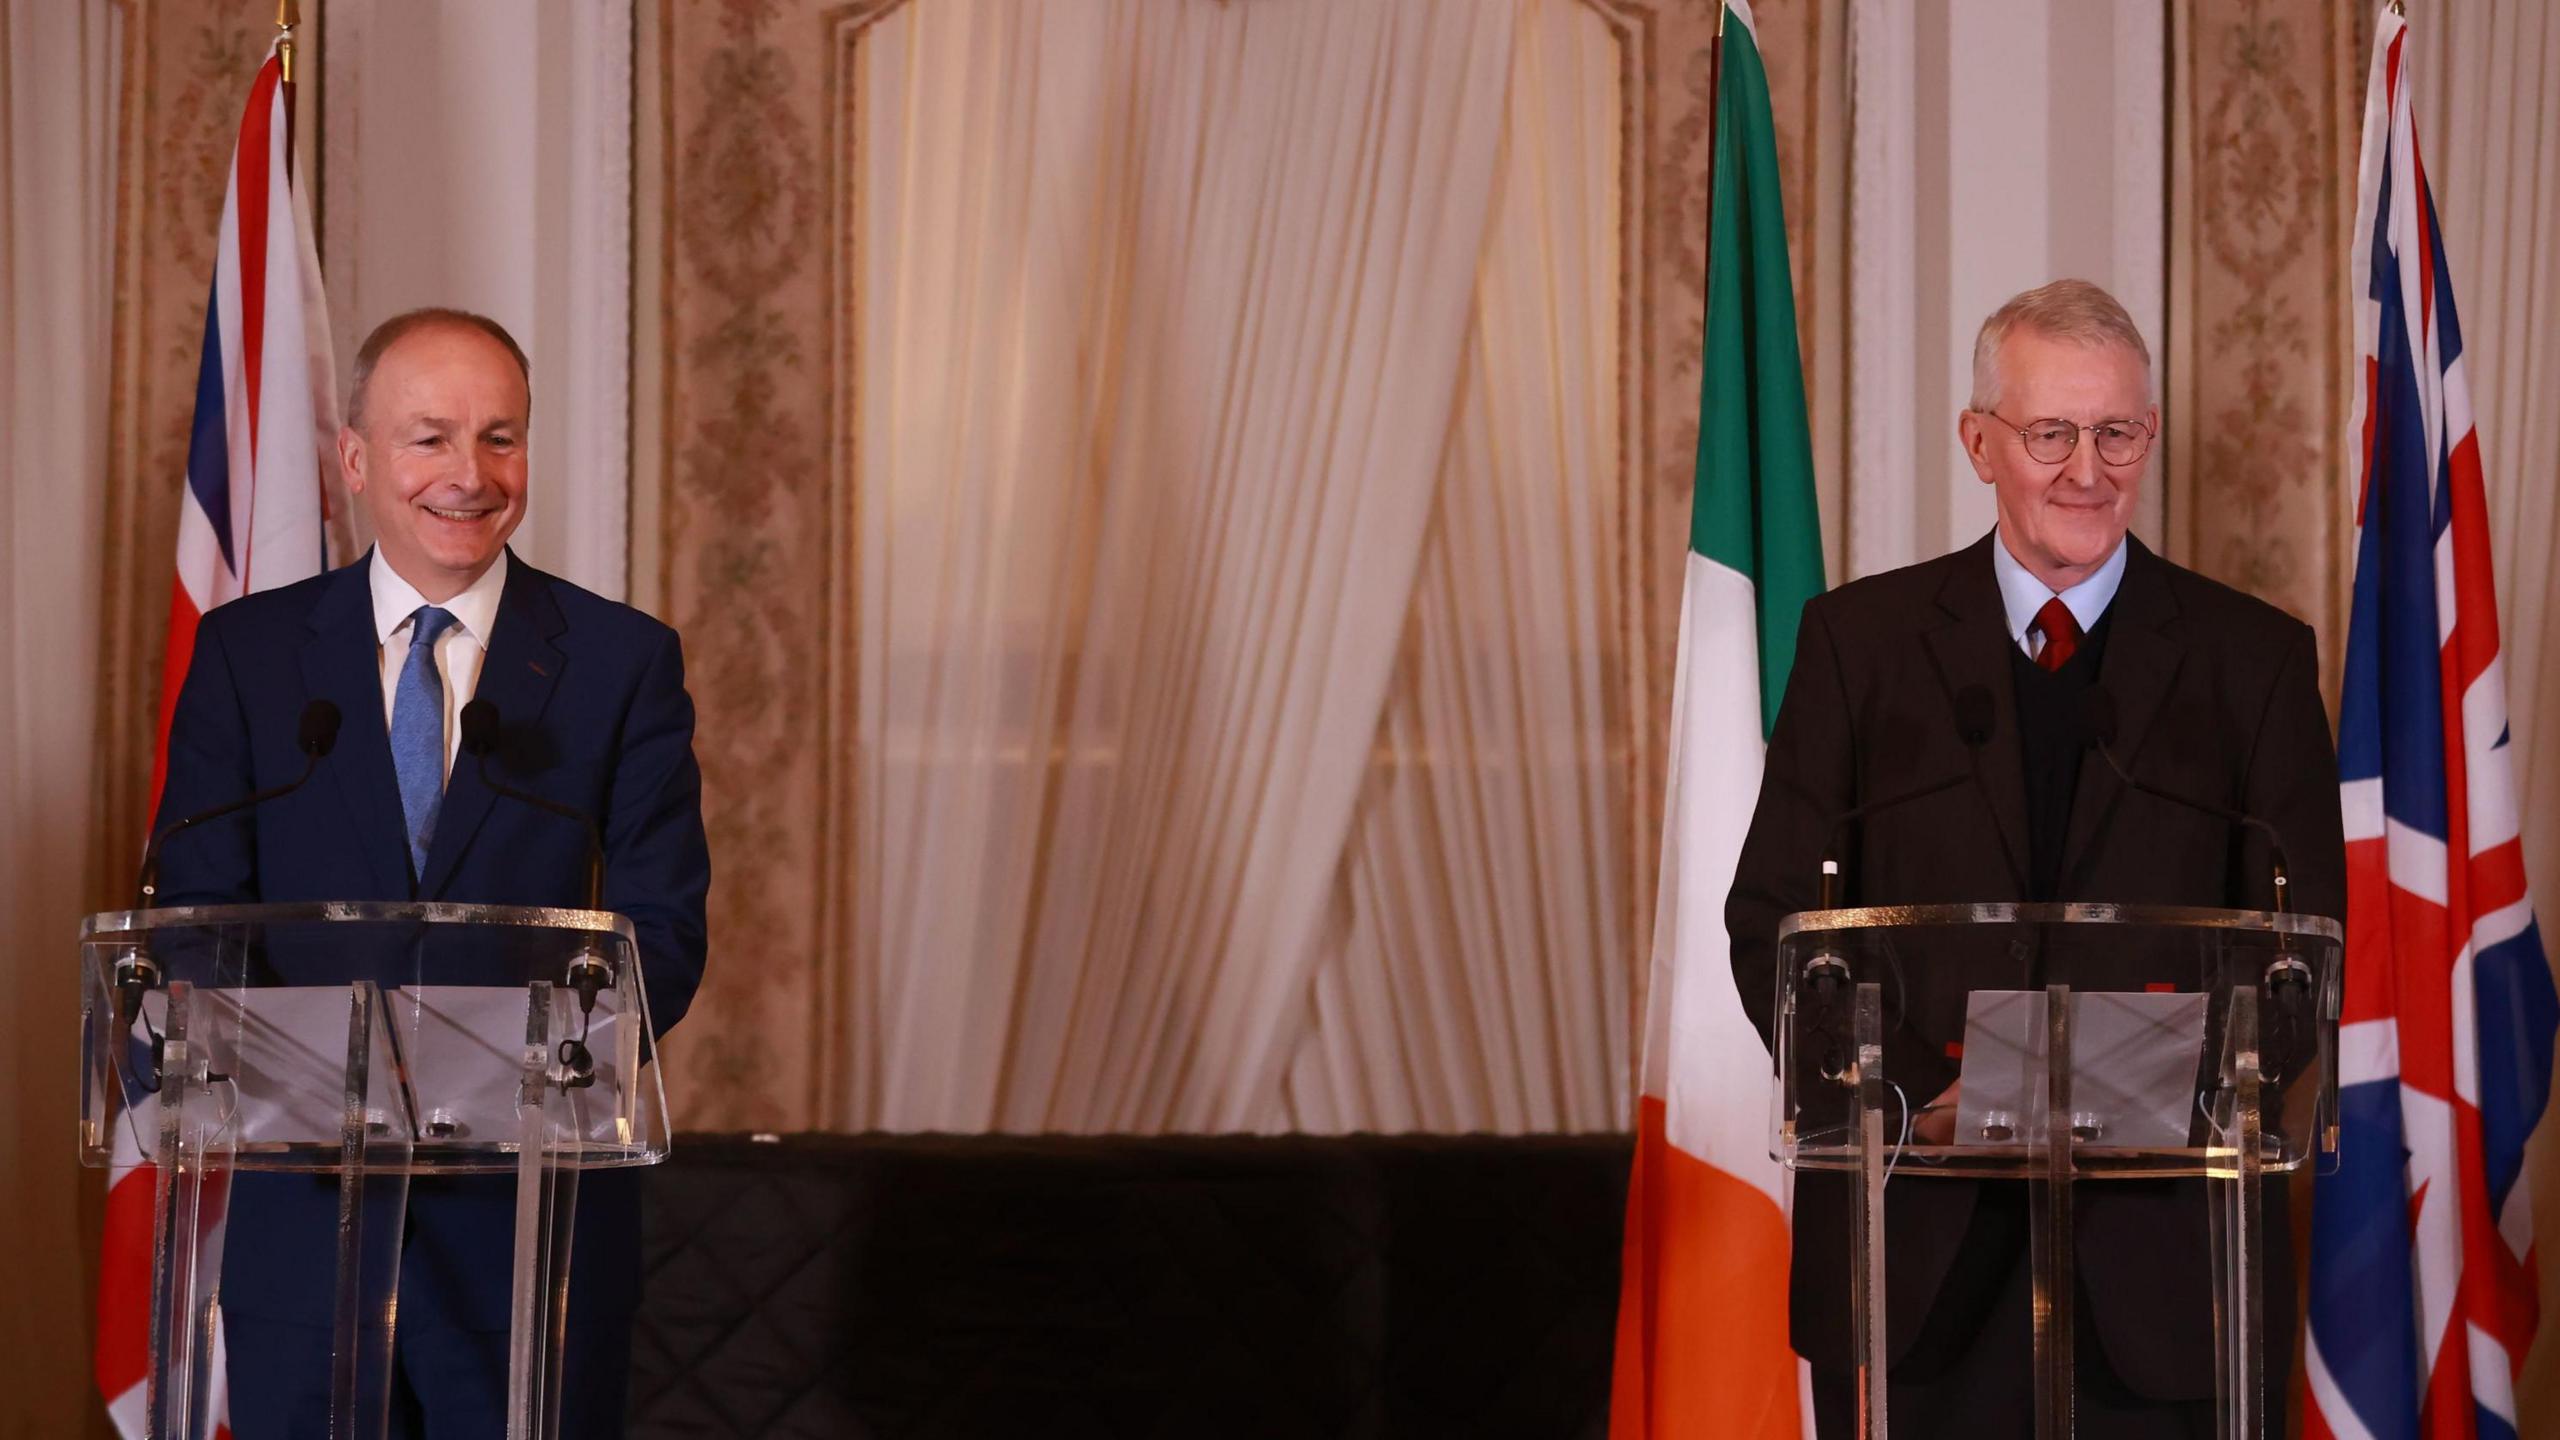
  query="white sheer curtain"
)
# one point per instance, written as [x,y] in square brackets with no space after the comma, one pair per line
[57,131]
[1478,973]
[2488,97]
[1162,320]
[2488,92]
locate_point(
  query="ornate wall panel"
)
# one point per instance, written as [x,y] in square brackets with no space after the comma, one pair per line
[2265,95]
[743,546]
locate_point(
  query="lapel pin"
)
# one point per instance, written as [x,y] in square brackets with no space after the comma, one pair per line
[536,667]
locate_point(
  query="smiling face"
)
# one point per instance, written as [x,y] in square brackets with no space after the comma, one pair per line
[439,461]
[2061,521]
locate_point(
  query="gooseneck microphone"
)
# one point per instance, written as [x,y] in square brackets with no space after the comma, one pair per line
[319,735]
[2098,728]
[1974,724]
[1825,974]
[137,971]
[2287,978]
[588,972]
[479,741]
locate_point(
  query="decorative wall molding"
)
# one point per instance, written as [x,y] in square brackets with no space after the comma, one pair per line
[1986,156]
[1884,327]
[478,153]
[2139,159]
[2264,190]
[589,474]
[743,549]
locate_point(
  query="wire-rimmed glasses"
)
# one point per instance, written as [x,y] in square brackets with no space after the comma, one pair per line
[2051,440]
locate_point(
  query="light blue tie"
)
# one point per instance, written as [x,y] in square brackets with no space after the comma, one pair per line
[417,733]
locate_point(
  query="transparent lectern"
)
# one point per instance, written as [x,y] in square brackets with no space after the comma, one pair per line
[375,1042]
[2094,1043]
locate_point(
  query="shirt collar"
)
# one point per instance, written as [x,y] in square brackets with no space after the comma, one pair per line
[2022,594]
[475,610]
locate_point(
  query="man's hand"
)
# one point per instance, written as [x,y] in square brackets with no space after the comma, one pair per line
[1936,1124]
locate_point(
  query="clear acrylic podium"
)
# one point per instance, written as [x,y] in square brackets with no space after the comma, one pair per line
[374,1042]
[2094,1043]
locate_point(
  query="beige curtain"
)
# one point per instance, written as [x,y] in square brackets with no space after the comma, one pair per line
[1161,323]
[57,210]
[1476,976]
[1176,512]
[2487,96]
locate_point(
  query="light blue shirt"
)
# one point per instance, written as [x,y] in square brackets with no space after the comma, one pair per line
[2022,594]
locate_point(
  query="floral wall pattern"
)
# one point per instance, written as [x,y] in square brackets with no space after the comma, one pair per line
[2266,96]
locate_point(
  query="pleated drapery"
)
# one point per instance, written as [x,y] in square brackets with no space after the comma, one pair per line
[1165,322]
[1476,977]
[58,106]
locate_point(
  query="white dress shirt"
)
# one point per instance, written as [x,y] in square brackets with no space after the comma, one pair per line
[2022,595]
[459,650]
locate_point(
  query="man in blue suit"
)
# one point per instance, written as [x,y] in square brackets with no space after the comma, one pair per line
[592,702]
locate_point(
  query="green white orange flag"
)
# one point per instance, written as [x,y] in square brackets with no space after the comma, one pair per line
[1702,1314]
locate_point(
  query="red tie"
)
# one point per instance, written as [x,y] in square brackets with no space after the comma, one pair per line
[2061,634]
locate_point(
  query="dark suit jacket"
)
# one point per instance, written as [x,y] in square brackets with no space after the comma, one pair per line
[2218,698]
[591,699]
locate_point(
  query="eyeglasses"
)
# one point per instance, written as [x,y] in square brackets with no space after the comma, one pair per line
[2051,441]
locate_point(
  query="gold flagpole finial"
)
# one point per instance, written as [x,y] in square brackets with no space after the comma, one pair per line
[2398,9]
[285,21]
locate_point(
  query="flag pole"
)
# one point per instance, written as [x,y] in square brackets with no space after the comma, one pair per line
[285,21]
[1715,128]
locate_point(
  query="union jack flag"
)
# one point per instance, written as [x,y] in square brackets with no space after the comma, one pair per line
[2422,1276]
[260,509]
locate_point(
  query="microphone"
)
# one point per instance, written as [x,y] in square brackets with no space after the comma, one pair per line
[1974,723]
[136,971]
[2288,979]
[1975,720]
[2098,728]
[480,741]
[588,972]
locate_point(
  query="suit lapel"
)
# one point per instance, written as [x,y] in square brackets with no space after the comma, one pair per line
[2140,665]
[516,676]
[342,664]
[1972,648]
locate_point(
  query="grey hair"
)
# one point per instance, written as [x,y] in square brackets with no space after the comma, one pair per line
[2064,310]
[390,332]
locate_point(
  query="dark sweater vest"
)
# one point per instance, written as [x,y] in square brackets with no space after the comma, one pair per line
[2050,741]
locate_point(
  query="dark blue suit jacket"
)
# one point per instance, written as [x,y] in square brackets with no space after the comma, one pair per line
[591,698]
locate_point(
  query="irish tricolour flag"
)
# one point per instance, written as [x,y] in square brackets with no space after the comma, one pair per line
[1702,1315]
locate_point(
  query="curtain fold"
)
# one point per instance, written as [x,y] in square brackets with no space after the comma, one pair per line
[1478,975]
[2487,77]
[1143,472]
[2488,91]
[58,89]
[1175,510]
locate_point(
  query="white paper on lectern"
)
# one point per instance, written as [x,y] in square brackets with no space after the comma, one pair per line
[290,1058]
[2135,1057]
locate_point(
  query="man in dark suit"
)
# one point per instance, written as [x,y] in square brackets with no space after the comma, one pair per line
[592,702]
[2218,699]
